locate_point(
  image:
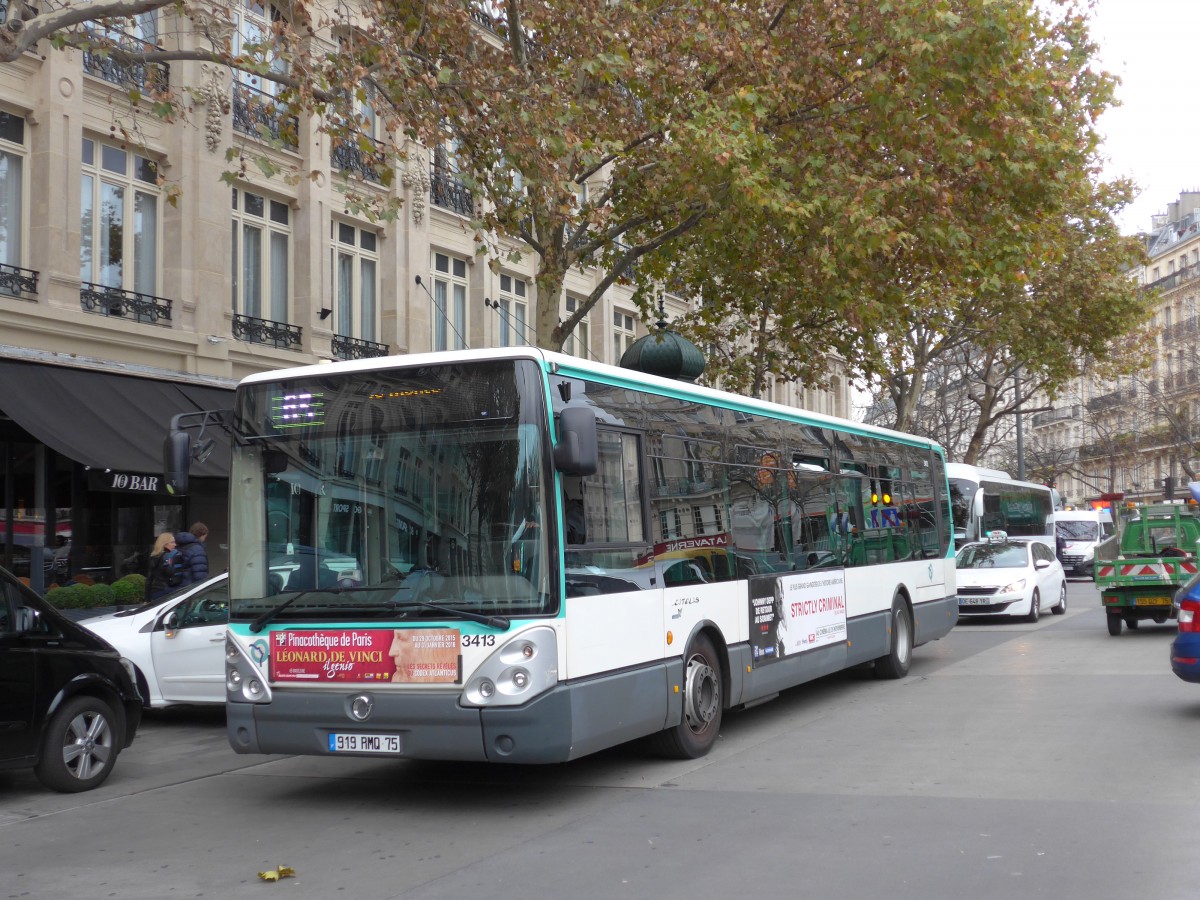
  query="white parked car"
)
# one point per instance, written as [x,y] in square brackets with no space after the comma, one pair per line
[1005,576]
[177,643]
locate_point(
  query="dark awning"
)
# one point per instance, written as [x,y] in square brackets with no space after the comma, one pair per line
[109,421]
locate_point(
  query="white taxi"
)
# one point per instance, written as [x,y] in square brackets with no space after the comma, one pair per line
[1010,576]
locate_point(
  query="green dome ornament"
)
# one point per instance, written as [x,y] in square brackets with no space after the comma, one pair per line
[665,353]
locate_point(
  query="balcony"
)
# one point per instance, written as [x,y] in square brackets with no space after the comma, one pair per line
[1111,400]
[482,17]
[120,303]
[345,347]
[259,115]
[1174,279]
[1050,416]
[446,191]
[17,282]
[279,335]
[99,61]
[363,156]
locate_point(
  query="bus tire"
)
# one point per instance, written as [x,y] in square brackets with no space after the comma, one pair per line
[703,703]
[899,656]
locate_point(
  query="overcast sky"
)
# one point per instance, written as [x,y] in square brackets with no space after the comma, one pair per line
[1154,136]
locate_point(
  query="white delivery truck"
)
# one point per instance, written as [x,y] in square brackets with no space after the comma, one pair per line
[1078,533]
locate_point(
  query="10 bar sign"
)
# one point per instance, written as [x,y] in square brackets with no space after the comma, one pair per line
[125,482]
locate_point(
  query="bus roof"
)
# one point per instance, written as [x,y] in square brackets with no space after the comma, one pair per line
[573,366]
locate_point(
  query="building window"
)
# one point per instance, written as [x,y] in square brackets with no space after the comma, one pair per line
[254,37]
[449,302]
[623,334]
[355,266]
[446,188]
[514,311]
[262,237]
[578,341]
[12,189]
[119,220]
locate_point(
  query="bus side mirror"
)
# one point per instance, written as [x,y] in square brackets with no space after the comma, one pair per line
[177,457]
[577,450]
[978,504]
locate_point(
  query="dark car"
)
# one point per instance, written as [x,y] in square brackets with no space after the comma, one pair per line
[68,701]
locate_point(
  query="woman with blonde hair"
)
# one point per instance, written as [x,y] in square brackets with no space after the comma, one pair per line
[164,567]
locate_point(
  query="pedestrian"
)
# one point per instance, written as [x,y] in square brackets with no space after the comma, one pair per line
[194,556]
[165,567]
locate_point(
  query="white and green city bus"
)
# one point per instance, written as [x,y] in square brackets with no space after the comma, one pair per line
[984,500]
[521,556]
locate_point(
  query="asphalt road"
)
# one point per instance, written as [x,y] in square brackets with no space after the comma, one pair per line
[1016,760]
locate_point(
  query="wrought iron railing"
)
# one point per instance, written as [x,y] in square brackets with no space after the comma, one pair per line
[99,60]
[1174,279]
[446,191]
[15,281]
[1111,400]
[348,156]
[260,115]
[118,302]
[280,335]
[483,18]
[345,347]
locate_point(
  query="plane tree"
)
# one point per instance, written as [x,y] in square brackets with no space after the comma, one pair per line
[819,174]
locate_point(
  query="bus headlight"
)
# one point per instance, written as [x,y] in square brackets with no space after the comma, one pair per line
[244,682]
[519,669]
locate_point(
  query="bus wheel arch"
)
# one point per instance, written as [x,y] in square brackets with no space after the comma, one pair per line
[705,691]
[901,638]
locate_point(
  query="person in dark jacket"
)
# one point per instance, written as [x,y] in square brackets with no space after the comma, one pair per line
[194,565]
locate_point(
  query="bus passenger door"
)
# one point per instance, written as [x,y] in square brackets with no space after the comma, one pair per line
[613,592]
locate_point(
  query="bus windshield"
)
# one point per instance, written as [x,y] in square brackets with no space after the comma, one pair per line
[394,493]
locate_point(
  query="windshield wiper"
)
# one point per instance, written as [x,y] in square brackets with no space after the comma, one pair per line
[503,623]
[258,624]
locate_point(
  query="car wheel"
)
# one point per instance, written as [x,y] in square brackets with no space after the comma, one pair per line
[1035,607]
[899,656]
[1114,624]
[80,746]
[1061,606]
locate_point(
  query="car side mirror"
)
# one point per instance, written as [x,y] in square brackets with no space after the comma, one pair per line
[173,620]
[1042,564]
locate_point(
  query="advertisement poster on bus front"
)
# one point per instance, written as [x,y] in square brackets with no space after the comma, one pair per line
[401,656]
[799,611]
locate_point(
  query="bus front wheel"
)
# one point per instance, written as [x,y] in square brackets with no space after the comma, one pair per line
[899,656]
[702,705]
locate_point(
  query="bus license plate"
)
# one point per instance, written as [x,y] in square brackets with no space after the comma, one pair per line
[974,601]
[1153,601]
[364,743]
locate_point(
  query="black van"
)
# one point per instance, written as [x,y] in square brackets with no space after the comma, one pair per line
[69,703]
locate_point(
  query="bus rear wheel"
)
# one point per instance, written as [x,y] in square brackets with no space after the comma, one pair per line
[899,656]
[703,705]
